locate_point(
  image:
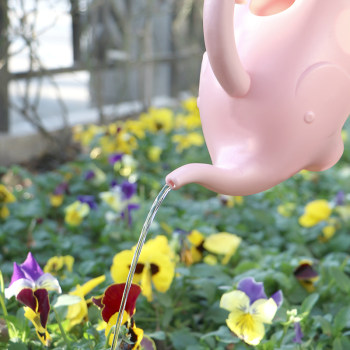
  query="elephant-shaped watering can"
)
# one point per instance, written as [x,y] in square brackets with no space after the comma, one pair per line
[274,92]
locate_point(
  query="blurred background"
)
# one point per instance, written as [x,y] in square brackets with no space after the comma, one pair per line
[67,62]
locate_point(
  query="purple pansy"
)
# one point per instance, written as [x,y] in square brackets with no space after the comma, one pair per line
[89,175]
[298,333]
[30,275]
[113,183]
[30,285]
[255,290]
[60,189]
[128,189]
[129,209]
[89,200]
[114,158]
[340,198]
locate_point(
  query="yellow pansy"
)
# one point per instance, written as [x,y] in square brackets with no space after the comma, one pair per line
[222,243]
[155,266]
[315,212]
[154,153]
[135,127]
[76,212]
[85,135]
[231,201]
[187,140]
[195,253]
[57,263]
[190,104]
[329,230]
[4,212]
[5,197]
[78,312]
[56,200]
[249,310]
[158,119]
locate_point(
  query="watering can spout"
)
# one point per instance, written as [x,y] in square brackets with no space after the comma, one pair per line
[227,181]
[220,43]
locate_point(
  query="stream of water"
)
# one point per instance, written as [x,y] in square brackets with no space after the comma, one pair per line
[152,213]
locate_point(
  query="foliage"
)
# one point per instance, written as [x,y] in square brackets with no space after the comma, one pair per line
[274,247]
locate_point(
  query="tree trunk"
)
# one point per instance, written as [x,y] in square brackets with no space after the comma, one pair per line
[4,75]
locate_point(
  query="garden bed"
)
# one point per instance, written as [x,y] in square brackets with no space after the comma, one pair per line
[204,251]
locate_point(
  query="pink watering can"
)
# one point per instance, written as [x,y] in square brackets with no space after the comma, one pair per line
[274,92]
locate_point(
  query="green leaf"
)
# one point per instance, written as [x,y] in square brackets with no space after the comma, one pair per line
[182,339]
[66,300]
[337,345]
[309,303]
[159,335]
[17,346]
[341,279]
[341,319]
[325,325]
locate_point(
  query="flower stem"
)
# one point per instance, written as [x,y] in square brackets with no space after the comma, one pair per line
[2,301]
[59,322]
[285,329]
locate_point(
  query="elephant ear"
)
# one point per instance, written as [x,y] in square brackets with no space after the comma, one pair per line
[323,101]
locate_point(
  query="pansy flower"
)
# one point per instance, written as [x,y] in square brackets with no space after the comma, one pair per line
[197,247]
[154,153]
[5,197]
[89,175]
[56,264]
[76,212]
[155,266]
[158,119]
[89,200]
[56,198]
[114,158]
[222,244]
[250,309]
[192,247]
[30,285]
[128,189]
[110,303]
[315,212]
[114,198]
[306,275]
[187,140]
[78,312]
[231,201]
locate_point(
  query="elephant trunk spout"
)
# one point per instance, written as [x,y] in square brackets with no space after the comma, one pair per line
[221,47]
[233,182]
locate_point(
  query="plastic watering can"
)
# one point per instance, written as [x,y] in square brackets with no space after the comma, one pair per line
[274,92]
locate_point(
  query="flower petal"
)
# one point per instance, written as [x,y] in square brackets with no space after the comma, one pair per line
[121,265]
[43,305]
[17,286]
[112,322]
[254,290]
[264,310]
[278,298]
[164,276]
[222,243]
[112,299]
[42,333]
[246,327]
[48,282]
[26,296]
[31,268]
[235,300]
[87,287]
